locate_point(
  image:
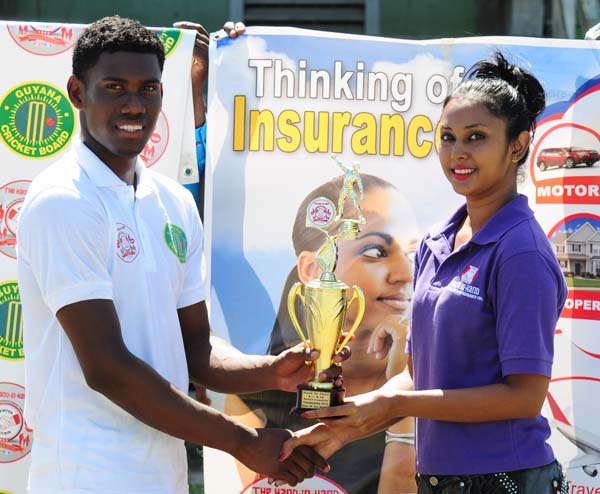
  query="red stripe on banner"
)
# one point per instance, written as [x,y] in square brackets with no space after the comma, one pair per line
[556,411]
[591,354]
[568,190]
[574,378]
[582,304]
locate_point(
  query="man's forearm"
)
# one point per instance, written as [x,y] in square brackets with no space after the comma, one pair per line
[142,392]
[231,371]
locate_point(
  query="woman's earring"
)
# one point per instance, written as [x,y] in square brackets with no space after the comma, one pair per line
[515,159]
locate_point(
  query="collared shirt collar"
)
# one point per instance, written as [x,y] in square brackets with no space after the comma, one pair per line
[103,176]
[441,238]
[510,215]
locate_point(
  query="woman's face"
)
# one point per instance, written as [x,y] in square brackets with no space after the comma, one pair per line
[380,260]
[474,150]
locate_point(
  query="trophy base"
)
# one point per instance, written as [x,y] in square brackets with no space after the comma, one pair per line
[309,398]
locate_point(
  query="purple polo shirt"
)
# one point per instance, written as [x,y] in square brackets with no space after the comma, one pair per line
[479,314]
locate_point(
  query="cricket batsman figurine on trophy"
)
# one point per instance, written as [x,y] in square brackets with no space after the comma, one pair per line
[326,300]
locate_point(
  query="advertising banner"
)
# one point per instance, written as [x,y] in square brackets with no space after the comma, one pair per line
[37,125]
[281,103]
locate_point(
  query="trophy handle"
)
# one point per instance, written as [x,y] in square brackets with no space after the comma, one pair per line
[360,297]
[296,291]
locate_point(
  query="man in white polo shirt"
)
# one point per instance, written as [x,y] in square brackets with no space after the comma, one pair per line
[111,278]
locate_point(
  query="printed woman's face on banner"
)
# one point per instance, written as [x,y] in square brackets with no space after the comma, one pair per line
[380,260]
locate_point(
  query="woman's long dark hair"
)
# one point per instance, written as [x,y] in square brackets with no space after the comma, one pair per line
[305,238]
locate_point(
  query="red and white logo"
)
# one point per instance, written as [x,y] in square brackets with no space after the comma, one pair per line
[127,244]
[11,421]
[320,213]
[15,437]
[157,145]
[12,196]
[44,39]
[469,274]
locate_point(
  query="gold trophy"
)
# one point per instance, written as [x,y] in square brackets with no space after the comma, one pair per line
[326,300]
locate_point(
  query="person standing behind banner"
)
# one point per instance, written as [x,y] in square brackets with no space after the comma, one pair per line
[380,262]
[199,74]
[481,336]
[111,275]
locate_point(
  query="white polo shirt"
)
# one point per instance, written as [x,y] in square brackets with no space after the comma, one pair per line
[85,234]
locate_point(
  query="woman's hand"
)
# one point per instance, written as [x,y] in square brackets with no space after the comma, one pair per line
[389,338]
[296,366]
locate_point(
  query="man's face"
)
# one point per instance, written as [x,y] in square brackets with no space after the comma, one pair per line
[119,101]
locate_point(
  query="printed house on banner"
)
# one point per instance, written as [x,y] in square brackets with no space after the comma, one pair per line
[578,253]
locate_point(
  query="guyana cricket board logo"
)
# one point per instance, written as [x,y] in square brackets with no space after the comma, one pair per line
[44,39]
[15,436]
[170,39]
[11,322]
[12,196]
[176,241]
[36,120]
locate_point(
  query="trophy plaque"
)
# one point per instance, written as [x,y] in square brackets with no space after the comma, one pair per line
[326,300]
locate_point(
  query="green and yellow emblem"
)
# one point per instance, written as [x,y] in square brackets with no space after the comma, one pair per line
[170,38]
[176,241]
[37,120]
[11,322]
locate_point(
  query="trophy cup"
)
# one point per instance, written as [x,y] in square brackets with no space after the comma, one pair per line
[326,300]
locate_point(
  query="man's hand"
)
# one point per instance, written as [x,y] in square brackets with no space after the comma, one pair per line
[295,366]
[325,440]
[200,62]
[359,416]
[260,453]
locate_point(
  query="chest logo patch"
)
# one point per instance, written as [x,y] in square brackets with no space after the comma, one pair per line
[127,245]
[176,241]
[463,285]
[469,274]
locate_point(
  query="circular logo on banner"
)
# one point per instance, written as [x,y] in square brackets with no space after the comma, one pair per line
[12,196]
[170,38]
[44,39]
[11,322]
[127,245]
[157,144]
[15,436]
[36,120]
[320,213]
[315,485]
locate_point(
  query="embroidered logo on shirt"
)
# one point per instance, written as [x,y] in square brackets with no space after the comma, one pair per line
[463,285]
[11,322]
[176,241]
[469,274]
[127,245]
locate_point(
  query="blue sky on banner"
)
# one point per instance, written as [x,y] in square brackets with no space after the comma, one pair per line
[563,71]
[259,270]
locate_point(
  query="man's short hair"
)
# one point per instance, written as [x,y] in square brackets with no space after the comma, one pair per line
[113,34]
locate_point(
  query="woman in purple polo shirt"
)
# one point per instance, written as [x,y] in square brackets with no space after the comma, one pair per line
[481,339]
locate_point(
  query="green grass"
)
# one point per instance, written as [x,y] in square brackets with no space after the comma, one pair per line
[582,282]
[196,489]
